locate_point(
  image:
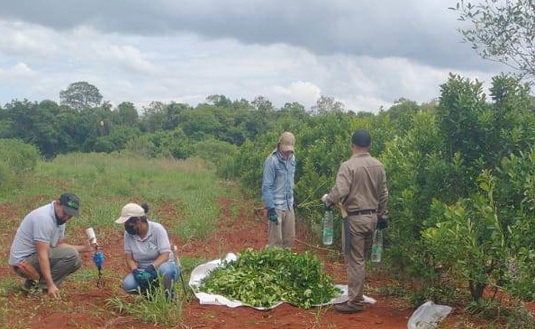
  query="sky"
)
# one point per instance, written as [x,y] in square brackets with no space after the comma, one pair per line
[366,54]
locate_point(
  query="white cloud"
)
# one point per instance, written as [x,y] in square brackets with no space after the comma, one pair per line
[186,67]
[305,93]
[125,56]
[18,71]
[22,69]
[22,39]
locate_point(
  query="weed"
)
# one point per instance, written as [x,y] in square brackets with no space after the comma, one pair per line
[393,290]
[503,316]
[448,295]
[157,309]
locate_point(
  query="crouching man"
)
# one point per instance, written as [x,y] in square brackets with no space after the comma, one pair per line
[38,252]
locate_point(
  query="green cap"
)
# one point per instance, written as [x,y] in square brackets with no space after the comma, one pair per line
[70,203]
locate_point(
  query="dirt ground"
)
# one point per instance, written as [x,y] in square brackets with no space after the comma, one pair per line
[234,234]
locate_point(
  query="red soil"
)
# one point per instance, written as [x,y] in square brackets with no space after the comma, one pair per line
[245,231]
[232,235]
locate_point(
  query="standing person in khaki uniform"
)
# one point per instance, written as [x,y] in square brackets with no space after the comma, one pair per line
[278,194]
[361,189]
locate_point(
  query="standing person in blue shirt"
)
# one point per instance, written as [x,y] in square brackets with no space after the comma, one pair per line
[147,251]
[39,253]
[277,192]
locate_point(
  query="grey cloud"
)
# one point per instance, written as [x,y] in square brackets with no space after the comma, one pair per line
[420,30]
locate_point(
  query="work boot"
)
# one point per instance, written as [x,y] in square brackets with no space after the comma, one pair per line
[348,308]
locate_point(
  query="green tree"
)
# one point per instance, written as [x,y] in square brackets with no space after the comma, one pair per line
[469,238]
[80,95]
[462,105]
[501,31]
[154,117]
[127,114]
[402,113]
[219,100]
[326,104]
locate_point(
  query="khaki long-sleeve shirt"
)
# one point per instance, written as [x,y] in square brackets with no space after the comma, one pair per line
[361,184]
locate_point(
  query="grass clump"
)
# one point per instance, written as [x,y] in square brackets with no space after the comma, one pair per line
[157,309]
[264,278]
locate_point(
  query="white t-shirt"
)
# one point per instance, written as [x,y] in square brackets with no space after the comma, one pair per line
[38,225]
[146,250]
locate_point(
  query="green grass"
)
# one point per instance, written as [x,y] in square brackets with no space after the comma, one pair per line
[189,263]
[183,195]
[106,182]
[156,309]
[15,313]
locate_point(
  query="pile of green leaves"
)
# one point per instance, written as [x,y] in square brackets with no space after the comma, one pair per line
[264,278]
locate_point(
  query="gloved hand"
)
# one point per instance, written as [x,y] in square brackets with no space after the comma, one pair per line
[326,204]
[382,222]
[144,279]
[272,215]
[152,271]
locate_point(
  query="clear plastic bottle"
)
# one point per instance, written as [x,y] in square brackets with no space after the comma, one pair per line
[377,246]
[327,234]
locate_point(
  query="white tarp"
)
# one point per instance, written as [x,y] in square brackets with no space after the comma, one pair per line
[202,271]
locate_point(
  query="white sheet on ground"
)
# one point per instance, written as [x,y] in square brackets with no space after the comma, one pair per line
[202,271]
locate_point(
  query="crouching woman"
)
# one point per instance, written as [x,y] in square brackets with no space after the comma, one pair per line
[147,250]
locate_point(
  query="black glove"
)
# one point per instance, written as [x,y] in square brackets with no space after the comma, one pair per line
[152,271]
[382,222]
[272,215]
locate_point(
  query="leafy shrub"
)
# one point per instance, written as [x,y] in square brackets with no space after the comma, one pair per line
[18,156]
[215,151]
[17,159]
[162,144]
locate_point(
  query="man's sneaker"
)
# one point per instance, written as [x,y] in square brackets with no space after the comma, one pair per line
[30,285]
[348,308]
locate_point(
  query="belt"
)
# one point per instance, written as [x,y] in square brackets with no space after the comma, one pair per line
[361,212]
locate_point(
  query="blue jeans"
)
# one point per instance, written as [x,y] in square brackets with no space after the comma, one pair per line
[168,270]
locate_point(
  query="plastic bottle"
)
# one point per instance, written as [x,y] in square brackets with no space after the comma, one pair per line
[327,234]
[377,246]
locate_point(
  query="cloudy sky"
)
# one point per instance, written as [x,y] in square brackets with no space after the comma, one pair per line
[364,53]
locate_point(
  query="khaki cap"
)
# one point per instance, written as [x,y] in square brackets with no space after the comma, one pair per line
[287,141]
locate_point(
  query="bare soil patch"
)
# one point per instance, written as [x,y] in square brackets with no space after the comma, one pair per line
[237,229]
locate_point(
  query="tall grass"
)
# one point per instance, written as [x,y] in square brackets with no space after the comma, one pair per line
[106,182]
[183,195]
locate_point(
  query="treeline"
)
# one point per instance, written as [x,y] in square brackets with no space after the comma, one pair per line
[161,129]
[461,170]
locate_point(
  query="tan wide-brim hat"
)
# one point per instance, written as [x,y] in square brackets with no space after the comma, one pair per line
[287,141]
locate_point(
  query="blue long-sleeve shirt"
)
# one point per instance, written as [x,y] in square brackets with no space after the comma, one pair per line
[278,181]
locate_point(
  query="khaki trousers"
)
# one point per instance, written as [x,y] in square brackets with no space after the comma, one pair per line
[359,234]
[63,261]
[282,235]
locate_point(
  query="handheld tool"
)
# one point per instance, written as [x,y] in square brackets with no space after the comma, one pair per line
[175,251]
[98,256]
[98,259]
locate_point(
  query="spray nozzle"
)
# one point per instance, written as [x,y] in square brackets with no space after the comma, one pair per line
[91,236]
